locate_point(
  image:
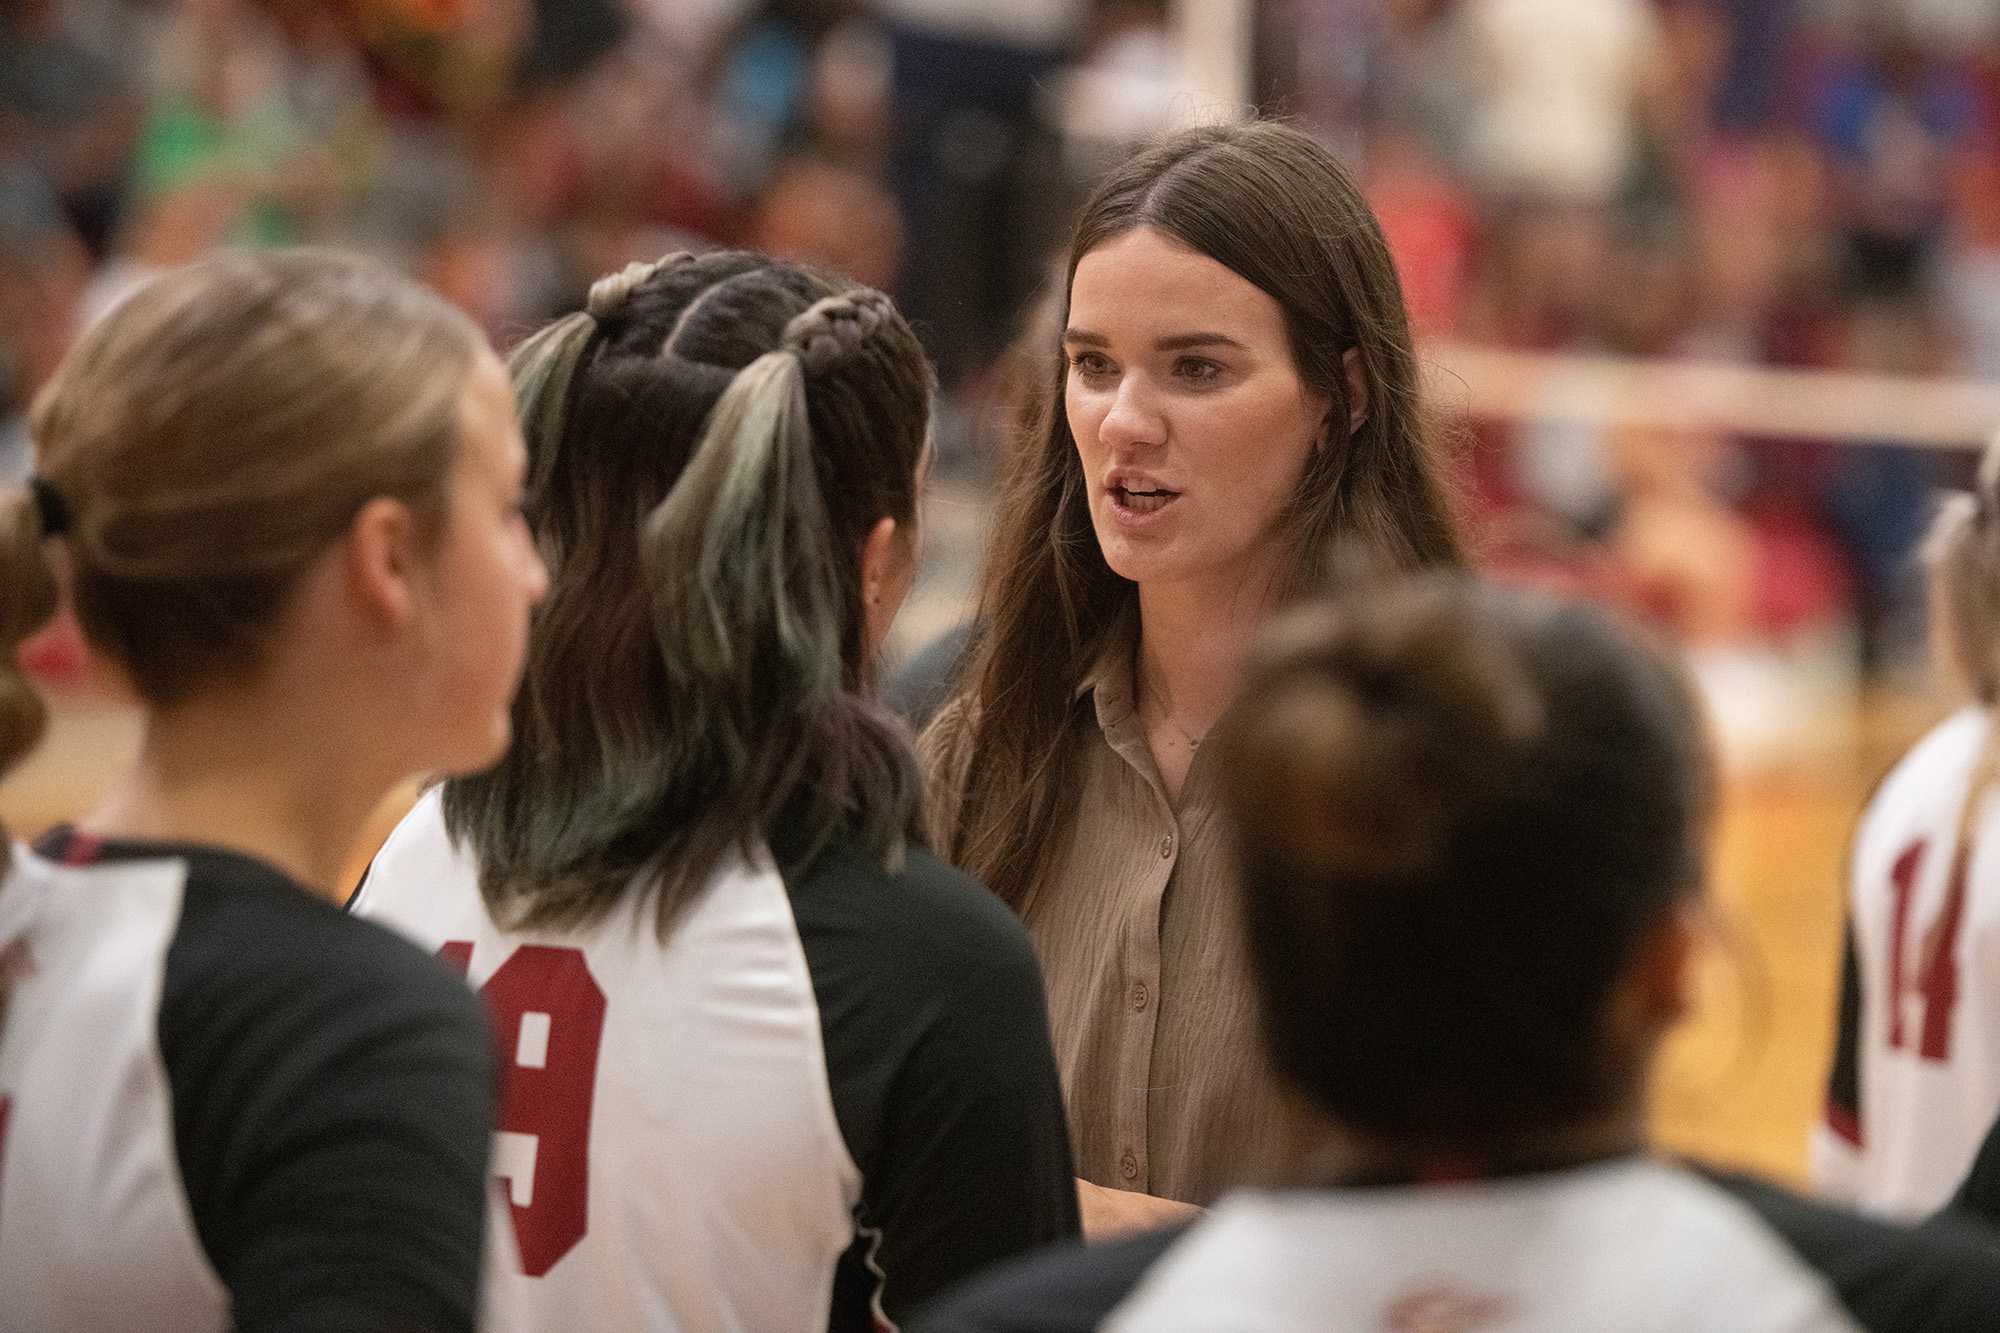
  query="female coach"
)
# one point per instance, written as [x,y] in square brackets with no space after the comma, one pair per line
[283,491]
[1235,397]
[771,1065]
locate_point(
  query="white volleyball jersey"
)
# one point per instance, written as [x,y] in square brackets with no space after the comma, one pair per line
[226,1104]
[677,1117]
[1917,1079]
[95,1228]
[1628,1247]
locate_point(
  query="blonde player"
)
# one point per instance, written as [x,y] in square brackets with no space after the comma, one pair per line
[1470,826]
[1916,1079]
[769,1064]
[283,493]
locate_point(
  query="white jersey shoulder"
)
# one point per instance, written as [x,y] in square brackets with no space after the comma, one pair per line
[668,1141]
[1927,942]
[95,1227]
[1631,1247]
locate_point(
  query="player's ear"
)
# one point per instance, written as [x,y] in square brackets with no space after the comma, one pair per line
[379,559]
[1656,990]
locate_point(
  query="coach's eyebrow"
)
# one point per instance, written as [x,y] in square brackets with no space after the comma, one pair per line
[1178,342]
[1182,341]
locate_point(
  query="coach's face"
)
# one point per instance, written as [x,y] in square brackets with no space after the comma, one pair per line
[1189,415]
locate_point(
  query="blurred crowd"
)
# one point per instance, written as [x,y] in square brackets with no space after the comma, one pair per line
[1795,182]
[1765,181]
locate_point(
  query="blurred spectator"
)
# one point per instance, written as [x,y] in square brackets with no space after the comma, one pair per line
[1747,99]
[1797,182]
[1893,120]
[819,213]
[1554,134]
[771,88]
[43,269]
[974,165]
[1431,226]
[1557,101]
[66,109]
[1426,81]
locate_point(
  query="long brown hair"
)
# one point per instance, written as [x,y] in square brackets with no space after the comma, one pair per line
[1269,203]
[711,442]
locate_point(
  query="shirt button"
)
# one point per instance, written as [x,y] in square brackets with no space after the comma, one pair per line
[1128,1167]
[1167,846]
[1139,995]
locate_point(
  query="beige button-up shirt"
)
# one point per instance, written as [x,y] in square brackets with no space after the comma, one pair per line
[1150,1000]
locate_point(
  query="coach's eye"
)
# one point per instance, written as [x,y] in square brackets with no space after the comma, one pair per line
[1090,365]
[1197,370]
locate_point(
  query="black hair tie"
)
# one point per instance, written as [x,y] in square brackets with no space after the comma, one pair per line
[50,507]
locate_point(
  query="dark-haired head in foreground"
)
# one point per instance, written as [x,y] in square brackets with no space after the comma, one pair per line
[1470,824]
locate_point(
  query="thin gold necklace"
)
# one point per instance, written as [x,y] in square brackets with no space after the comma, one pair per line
[1167,711]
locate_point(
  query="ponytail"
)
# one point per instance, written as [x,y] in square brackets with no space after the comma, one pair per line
[735,557]
[544,366]
[29,588]
[710,444]
[27,602]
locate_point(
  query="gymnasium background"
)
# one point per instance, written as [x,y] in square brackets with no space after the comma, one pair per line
[1709,291]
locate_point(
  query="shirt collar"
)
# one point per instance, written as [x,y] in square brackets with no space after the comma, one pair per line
[1110,676]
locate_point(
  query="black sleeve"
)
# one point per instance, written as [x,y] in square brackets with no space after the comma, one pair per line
[1979,1197]
[943,1077]
[1941,1277]
[1843,1084]
[1071,1289]
[333,1105]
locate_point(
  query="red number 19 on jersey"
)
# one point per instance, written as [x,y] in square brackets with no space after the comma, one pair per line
[548,1019]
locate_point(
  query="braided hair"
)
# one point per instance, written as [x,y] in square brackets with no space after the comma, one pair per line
[711,441]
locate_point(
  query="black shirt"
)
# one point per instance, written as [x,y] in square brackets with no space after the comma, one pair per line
[943,1080]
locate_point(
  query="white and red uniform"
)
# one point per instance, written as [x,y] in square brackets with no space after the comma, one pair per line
[1916,1082]
[1624,1246]
[95,1227]
[225,1104]
[821,1100]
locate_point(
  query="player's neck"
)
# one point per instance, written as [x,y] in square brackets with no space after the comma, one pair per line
[253,774]
[1352,1158]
